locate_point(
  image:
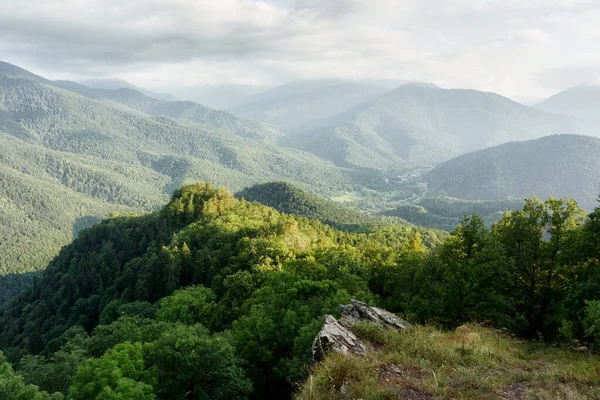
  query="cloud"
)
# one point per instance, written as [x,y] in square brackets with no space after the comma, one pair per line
[504,46]
[108,33]
[99,36]
[531,35]
[515,5]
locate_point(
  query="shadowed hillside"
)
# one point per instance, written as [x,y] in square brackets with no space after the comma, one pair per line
[560,166]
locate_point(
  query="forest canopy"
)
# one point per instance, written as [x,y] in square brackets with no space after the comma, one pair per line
[216,297]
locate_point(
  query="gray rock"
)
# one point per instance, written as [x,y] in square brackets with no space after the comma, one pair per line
[335,337]
[358,311]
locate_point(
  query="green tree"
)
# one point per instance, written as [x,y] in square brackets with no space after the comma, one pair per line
[472,274]
[271,333]
[13,387]
[191,305]
[534,239]
[592,320]
[54,374]
[416,244]
[119,374]
[193,364]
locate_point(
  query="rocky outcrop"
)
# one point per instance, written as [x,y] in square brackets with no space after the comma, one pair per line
[358,311]
[337,335]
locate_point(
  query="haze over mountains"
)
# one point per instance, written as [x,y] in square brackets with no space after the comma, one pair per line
[422,125]
[113,84]
[290,106]
[213,273]
[71,154]
[102,149]
[581,102]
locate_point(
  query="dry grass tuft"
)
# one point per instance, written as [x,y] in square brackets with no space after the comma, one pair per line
[473,362]
[463,330]
[472,339]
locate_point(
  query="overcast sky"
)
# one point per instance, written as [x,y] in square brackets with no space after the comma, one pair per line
[519,48]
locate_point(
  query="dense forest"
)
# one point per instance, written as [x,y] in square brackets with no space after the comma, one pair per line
[556,165]
[288,198]
[215,297]
[71,155]
[442,212]
[102,151]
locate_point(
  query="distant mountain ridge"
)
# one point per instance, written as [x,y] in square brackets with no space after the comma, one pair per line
[301,104]
[193,112]
[70,154]
[114,84]
[581,102]
[290,107]
[133,98]
[419,125]
[558,165]
[13,70]
[291,89]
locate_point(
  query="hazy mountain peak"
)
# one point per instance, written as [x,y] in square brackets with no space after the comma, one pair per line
[114,83]
[13,70]
[422,84]
[423,125]
[581,102]
[108,83]
[294,88]
[299,105]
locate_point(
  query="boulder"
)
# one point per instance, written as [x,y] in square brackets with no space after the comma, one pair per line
[358,311]
[335,337]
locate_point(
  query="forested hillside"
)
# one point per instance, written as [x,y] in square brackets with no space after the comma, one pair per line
[48,196]
[214,297]
[288,198]
[193,112]
[559,165]
[68,158]
[416,125]
[447,212]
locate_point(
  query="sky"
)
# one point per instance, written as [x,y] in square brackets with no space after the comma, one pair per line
[524,49]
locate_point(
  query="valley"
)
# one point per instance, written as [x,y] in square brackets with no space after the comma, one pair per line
[126,150]
[152,247]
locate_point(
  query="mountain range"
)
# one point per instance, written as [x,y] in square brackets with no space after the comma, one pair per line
[70,153]
[558,165]
[417,125]
[113,84]
[220,296]
[290,106]
[580,102]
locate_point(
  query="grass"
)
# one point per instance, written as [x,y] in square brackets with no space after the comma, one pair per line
[473,362]
[347,197]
